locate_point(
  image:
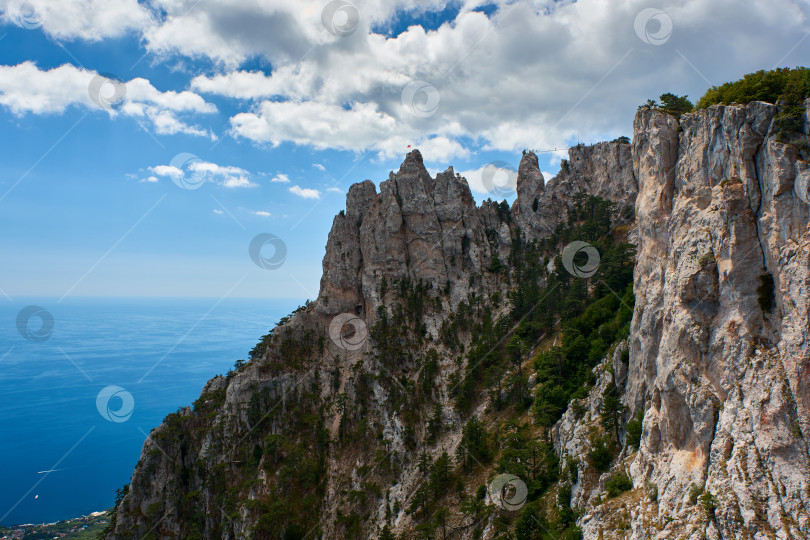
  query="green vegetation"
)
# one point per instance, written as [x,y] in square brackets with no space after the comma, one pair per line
[792,86]
[590,324]
[634,429]
[612,411]
[474,447]
[81,528]
[709,503]
[694,493]
[706,259]
[601,455]
[618,484]
[589,315]
[670,104]
[785,87]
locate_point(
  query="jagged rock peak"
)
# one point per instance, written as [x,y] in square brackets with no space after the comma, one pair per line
[359,198]
[412,159]
[529,174]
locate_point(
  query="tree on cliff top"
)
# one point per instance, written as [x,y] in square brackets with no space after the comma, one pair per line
[671,104]
[792,86]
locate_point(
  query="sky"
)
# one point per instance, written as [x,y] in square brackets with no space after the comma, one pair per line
[200,148]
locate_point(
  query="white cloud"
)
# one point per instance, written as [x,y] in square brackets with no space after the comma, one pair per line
[149,179]
[533,74]
[334,190]
[320,125]
[358,128]
[305,193]
[495,180]
[91,20]
[167,170]
[238,182]
[25,89]
[281,177]
[225,175]
[231,31]
[495,90]
[216,170]
[319,167]
[261,213]
[218,212]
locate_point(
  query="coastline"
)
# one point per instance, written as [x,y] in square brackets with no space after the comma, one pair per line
[81,528]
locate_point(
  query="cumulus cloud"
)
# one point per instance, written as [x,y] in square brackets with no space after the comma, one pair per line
[496,180]
[218,212]
[261,213]
[167,170]
[224,175]
[90,20]
[322,125]
[237,182]
[531,74]
[305,193]
[281,178]
[26,89]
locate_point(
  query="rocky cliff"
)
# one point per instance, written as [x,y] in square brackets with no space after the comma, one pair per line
[421,371]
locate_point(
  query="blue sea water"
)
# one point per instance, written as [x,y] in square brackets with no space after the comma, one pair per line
[158,351]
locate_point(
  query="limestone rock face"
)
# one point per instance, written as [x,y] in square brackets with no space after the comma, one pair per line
[416,226]
[604,170]
[530,187]
[721,373]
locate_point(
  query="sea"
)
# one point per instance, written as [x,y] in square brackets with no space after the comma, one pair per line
[84,380]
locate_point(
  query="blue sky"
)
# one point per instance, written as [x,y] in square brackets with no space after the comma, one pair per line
[283,109]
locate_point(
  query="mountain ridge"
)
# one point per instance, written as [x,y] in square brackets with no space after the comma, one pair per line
[410,272]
